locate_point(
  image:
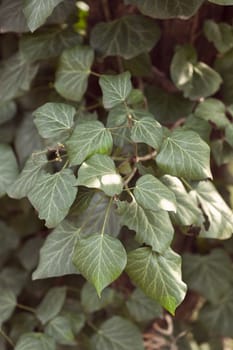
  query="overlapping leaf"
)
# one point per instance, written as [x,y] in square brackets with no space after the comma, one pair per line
[7,111]
[8,168]
[7,304]
[12,18]
[60,330]
[35,341]
[212,110]
[147,130]
[220,34]
[51,305]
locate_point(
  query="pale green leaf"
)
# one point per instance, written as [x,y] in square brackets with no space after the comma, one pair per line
[73,72]
[50,44]
[91,301]
[117,334]
[167,9]
[159,276]
[185,154]
[35,341]
[115,88]
[217,318]
[220,34]
[29,176]
[12,18]
[210,275]
[127,36]
[59,328]
[57,251]
[52,304]
[212,110]
[222,2]
[229,134]
[99,171]
[100,259]
[54,120]
[7,111]
[37,11]
[142,308]
[8,168]
[16,77]
[219,222]
[147,130]
[7,304]
[152,194]
[53,196]
[187,212]
[87,139]
[152,228]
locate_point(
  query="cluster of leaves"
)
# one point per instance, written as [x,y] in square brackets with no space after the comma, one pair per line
[119,169]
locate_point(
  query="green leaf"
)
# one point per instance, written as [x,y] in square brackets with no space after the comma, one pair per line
[159,276]
[57,251]
[212,110]
[37,11]
[167,9]
[12,18]
[153,195]
[217,318]
[117,122]
[8,168]
[229,134]
[54,120]
[7,111]
[73,72]
[53,196]
[50,44]
[87,139]
[35,341]
[7,304]
[91,301]
[224,66]
[219,222]
[152,228]
[222,2]
[28,178]
[115,88]
[117,334]
[147,130]
[185,154]
[100,259]
[139,66]
[60,330]
[187,212]
[142,308]
[16,77]
[210,275]
[9,241]
[99,171]
[26,258]
[198,125]
[51,305]
[220,34]
[127,36]
[195,79]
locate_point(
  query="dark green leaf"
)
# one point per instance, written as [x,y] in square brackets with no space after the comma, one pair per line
[100,258]
[222,2]
[91,301]
[59,328]
[139,66]
[220,34]
[212,110]
[8,168]
[159,276]
[35,341]
[7,304]
[185,154]
[127,36]
[224,65]
[198,125]
[12,18]
[7,111]
[87,139]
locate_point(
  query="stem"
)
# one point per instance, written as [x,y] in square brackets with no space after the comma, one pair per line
[186,184]
[5,336]
[106,216]
[96,74]
[130,176]
[89,108]
[26,308]
[65,165]
[106,10]
[146,157]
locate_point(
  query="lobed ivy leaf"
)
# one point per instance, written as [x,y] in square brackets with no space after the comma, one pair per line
[87,139]
[185,154]
[115,88]
[210,275]
[73,72]
[152,194]
[167,9]
[8,168]
[219,224]
[57,251]
[117,333]
[59,328]
[148,131]
[35,341]
[127,36]
[212,110]
[7,304]
[100,258]
[54,120]
[152,228]
[159,276]
[53,196]
[51,304]
[37,11]
[99,171]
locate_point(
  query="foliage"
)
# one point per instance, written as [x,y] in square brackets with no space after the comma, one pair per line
[116,177]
